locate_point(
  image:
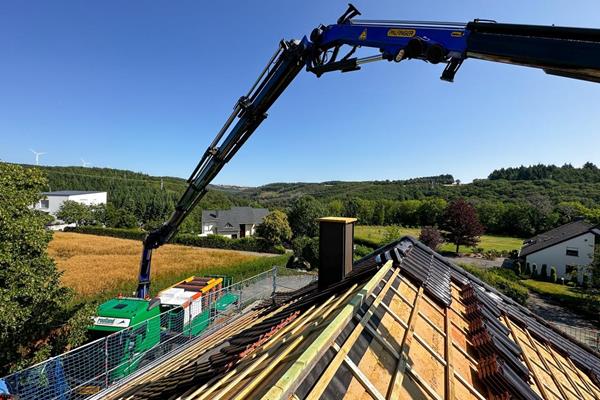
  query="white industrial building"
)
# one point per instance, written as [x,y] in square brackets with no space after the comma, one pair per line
[568,248]
[52,201]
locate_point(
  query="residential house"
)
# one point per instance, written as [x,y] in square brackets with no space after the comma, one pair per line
[237,222]
[569,248]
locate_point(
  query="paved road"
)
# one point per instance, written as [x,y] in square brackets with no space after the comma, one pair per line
[566,320]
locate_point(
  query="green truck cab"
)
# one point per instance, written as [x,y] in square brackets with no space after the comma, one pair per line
[126,351]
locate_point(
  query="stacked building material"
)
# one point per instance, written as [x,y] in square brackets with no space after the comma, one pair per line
[499,357]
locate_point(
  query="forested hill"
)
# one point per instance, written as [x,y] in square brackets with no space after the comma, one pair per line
[499,190]
[518,201]
[150,198]
[589,173]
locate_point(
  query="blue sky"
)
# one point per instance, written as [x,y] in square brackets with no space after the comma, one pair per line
[145,85]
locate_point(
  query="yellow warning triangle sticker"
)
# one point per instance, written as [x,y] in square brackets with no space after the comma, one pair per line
[363,35]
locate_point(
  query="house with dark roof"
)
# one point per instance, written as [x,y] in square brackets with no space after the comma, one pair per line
[569,248]
[237,222]
[400,323]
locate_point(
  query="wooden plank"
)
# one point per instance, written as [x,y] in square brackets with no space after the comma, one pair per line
[285,386]
[421,382]
[449,391]
[468,386]
[561,368]
[429,349]
[360,377]
[333,366]
[241,371]
[536,378]
[585,382]
[394,390]
[430,322]
[557,382]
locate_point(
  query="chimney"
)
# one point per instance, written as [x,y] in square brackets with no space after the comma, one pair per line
[335,249]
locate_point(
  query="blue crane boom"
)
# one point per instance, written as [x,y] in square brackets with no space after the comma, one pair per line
[569,52]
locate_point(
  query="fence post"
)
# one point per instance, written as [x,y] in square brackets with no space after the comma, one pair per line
[106,361]
[274,281]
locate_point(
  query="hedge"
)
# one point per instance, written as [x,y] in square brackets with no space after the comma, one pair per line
[503,280]
[249,243]
[367,242]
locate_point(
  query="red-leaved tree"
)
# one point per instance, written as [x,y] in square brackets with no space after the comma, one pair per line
[431,237]
[461,225]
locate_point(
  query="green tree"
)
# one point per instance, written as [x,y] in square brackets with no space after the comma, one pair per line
[303,216]
[379,213]
[73,212]
[431,211]
[461,224]
[120,218]
[275,228]
[35,316]
[392,233]
[553,275]
[336,208]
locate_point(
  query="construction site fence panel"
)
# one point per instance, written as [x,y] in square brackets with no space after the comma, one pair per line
[89,369]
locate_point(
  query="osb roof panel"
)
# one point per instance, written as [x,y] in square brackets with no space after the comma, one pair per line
[405,324]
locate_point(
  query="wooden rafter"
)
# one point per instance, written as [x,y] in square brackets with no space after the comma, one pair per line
[582,378]
[240,372]
[536,378]
[393,392]
[562,369]
[449,383]
[286,384]
[333,366]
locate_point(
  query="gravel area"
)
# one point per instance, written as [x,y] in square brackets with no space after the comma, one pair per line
[566,320]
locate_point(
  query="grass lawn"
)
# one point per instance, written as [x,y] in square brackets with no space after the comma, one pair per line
[555,290]
[100,267]
[488,242]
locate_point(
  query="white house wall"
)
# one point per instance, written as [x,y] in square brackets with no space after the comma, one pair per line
[55,202]
[89,198]
[556,256]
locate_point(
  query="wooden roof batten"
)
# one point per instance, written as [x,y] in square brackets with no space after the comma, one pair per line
[404,323]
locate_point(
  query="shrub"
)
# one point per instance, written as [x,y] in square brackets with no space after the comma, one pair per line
[307,249]
[553,275]
[431,237]
[249,243]
[518,267]
[504,280]
[544,273]
[527,269]
[534,272]
[361,251]
[367,243]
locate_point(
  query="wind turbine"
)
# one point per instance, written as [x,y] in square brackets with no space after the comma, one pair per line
[37,156]
[84,163]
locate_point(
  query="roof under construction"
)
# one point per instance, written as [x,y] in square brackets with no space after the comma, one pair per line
[405,323]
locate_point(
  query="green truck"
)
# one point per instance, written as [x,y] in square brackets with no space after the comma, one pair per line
[151,327]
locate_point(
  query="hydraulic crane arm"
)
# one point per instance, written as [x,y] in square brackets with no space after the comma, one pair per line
[570,52]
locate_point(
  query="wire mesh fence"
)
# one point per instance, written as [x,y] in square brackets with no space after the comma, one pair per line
[589,337]
[86,370]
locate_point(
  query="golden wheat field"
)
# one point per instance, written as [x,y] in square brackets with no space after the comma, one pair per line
[95,264]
